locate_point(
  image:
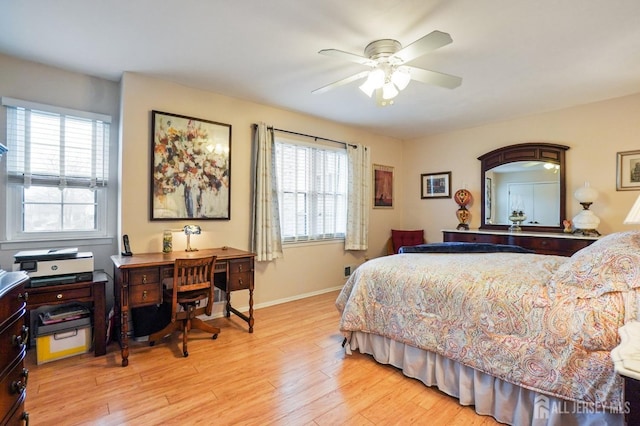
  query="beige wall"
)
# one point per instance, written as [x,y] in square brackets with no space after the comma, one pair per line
[594,132]
[305,269]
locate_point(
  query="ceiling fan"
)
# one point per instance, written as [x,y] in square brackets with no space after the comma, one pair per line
[389,74]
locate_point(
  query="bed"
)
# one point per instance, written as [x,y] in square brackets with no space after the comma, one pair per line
[525,338]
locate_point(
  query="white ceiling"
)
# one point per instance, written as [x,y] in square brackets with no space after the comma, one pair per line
[516,57]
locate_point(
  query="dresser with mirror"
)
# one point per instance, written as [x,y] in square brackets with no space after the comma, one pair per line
[523,200]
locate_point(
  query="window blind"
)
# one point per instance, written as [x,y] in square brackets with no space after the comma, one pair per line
[54,146]
[312,191]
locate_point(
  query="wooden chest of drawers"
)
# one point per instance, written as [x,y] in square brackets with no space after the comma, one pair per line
[542,243]
[14,335]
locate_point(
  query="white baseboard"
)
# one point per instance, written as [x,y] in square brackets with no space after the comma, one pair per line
[218,307]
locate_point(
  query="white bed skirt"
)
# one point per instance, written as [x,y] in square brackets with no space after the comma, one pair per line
[506,402]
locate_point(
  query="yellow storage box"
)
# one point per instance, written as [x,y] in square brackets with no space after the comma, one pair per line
[67,340]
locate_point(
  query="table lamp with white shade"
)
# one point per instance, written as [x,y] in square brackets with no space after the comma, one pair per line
[633,217]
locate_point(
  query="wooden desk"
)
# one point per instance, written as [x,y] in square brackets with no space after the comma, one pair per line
[88,291]
[138,282]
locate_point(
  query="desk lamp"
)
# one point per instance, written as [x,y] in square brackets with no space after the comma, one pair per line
[188,230]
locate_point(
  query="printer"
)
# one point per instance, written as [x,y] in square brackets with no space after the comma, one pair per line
[55,266]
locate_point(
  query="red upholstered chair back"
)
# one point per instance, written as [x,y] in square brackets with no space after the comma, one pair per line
[401,238]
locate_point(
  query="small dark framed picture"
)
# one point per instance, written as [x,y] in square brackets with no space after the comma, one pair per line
[628,167]
[382,187]
[435,185]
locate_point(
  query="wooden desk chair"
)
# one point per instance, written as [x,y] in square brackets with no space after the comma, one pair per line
[192,283]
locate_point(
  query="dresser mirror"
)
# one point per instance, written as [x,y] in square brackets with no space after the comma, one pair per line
[524,185]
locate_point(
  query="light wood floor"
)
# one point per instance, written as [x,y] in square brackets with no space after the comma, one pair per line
[291,371]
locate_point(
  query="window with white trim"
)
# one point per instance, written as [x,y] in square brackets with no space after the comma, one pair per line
[312,191]
[57,164]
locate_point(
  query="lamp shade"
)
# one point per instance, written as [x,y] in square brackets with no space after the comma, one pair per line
[401,78]
[389,91]
[376,78]
[192,229]
[367,87]
[633,217]
[586,194]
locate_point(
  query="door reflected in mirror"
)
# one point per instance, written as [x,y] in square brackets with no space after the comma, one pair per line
[529,188]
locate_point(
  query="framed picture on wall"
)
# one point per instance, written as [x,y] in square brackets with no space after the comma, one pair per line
[435,185]
[382,187]
[628,171]
[190,168]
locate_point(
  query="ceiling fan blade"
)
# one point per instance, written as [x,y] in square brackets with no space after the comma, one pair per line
[347,80]
[436,78]
[426,44]
[352,57]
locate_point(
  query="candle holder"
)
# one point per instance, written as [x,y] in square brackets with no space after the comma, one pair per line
[463,197]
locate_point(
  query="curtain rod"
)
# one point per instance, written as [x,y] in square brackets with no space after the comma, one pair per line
[311,136]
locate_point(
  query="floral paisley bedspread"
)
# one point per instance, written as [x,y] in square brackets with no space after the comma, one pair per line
[504,314]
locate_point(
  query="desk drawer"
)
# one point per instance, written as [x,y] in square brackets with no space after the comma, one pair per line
[240,266]
[144,276]
[42,297]
[240,281]
[240,274]
[145,294]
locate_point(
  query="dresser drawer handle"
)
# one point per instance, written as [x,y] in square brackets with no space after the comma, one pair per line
[18,387]
[144,295]
[24,296]
[240,281]
[144,279]
[20,341]
[59,296]
[25,374]
[17,341]
[239,268]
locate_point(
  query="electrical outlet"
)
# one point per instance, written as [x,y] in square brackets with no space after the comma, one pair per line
[347,271]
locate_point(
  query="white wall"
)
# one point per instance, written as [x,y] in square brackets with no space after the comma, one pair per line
[594,132]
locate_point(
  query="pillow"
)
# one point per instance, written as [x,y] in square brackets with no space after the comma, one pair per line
[406,238]
[610,264]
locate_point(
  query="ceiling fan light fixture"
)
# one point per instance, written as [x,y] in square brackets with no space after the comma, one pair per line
[367,88]
[401,78]
[376,78]
[389,91]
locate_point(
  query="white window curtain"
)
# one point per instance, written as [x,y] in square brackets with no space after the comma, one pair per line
[359,198]
[266,241]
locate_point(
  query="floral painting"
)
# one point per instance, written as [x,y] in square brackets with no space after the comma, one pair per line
[191,168]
